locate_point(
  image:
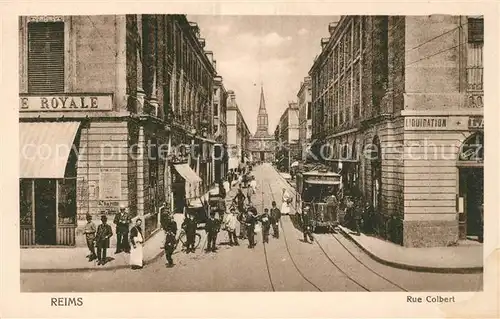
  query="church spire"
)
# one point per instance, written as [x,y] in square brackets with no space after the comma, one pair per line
[262,106]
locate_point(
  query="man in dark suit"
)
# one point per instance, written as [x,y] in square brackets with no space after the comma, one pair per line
[190,225]
[212,228]
[306,224]
[275,219]
[103,234]
[122,221]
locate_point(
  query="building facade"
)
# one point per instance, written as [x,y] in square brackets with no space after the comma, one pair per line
[122,99]
[238,134]
[305,118]
[220,128]
[398,100]
[287,134]
[262,144]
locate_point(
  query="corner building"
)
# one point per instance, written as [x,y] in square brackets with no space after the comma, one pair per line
[119,98]
[400,101]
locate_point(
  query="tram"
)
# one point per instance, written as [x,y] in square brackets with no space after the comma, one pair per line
[315,189]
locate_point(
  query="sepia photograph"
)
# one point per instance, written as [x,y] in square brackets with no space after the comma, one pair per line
[251,153]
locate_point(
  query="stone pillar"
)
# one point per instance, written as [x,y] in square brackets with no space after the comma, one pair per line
[121,63]
[140,56]
[140,173]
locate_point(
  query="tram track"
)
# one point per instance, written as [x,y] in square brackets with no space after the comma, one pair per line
[289,187]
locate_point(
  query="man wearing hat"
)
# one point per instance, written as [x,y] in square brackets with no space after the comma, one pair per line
[190,225]
[89,231]
[306,225]
[250,222]
[104,232]
[122,221]
[231,227]
[212,228]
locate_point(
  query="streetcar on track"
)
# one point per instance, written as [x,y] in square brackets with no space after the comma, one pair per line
[315,189]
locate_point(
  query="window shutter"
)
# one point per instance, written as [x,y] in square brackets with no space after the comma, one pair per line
[46,57]
[476,30]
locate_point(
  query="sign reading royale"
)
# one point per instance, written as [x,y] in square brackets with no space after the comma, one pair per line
[65,103]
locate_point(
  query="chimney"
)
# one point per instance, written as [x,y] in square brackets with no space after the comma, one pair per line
[202,42]
[210,56]
[195,28]
[324,42]
[332,26]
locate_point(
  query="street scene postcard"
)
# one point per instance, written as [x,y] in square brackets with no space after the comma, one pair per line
[196,152]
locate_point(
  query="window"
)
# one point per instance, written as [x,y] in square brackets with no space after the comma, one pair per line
[67,201]
[475,57]
[26,202]
[336,105]
[216,109]
[355,91]
[309,114]
[46,57]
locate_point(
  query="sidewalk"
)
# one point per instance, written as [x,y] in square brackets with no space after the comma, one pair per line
[457,259]
[74,259]
[71,259]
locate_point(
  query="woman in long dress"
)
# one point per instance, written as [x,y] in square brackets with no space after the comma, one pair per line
[285,205]
[136,240]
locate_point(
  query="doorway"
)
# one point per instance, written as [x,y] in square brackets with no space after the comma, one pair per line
[262,156]
[471,189]
[45,211]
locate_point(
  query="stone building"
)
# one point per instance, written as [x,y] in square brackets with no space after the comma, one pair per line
[400,101]
[287,133]
[262,144]
[220,129]
[115,100]
[238,134]
[305,118]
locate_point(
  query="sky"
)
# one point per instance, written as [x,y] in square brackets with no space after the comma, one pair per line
[275,51]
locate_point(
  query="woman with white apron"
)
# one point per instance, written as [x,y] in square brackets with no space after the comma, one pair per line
[285,205]
[136,240]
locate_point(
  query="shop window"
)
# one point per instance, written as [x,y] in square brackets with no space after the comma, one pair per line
[45,57]
[26,202]
[66,205]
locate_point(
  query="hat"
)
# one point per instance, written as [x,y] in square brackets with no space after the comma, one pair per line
[266,210]
[123,206]
[104,218]
[88,216]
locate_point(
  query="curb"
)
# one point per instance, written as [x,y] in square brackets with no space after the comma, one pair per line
[442,270]
[82,269]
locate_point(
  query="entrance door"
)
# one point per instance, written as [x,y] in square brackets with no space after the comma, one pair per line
[45,211]
[472,191]
[262,156]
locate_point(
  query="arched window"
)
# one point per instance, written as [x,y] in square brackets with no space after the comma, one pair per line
[376,166]
[472,149]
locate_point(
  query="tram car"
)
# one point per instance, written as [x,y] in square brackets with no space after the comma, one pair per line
[315,189]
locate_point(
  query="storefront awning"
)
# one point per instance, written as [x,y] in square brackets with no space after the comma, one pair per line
[44,148]
[192,180]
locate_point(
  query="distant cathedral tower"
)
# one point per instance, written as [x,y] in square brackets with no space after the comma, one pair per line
[262,120]
[262,143]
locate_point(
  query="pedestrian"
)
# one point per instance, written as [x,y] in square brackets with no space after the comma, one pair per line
[104,232]
[230,178]
[222,190]
[212,228]
[250,193]
[169,224]
[253,184]
[227,185]
[242,217]
[190,225]
[286,200]
[122,221]
[266,225]
[136,239]
[231,220]
[170,243]
[275,219]
[250,222]
[356,215]
[306,225]
[239,200]
[89,231]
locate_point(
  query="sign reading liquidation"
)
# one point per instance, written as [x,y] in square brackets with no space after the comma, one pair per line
[65,103]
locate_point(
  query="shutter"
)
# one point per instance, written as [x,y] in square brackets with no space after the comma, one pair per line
[476,30]
[46,57]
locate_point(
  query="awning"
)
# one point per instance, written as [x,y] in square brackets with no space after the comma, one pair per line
[192,180]
[44,148]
